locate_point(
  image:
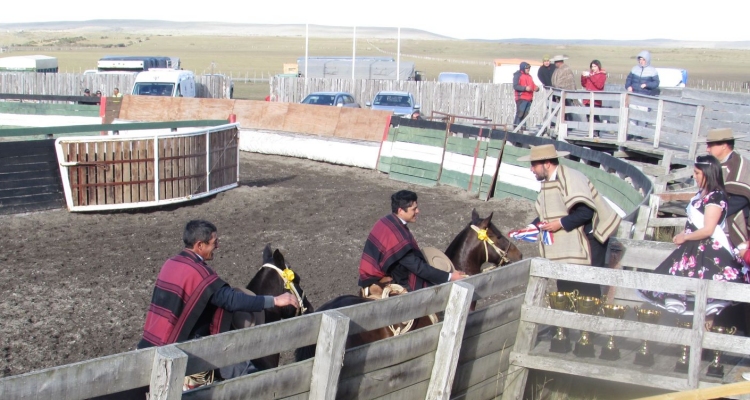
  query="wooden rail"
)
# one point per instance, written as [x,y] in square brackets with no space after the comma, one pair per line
[116,172]
[465,355]
[535,312]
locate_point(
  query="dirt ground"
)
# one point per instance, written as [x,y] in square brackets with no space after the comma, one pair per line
[77,285]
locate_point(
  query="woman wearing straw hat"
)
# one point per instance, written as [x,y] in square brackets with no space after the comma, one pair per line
[571,208]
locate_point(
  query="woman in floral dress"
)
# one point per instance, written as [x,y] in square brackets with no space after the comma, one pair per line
[704,250]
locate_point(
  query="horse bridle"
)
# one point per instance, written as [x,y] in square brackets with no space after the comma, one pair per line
[287,275]
[483,237]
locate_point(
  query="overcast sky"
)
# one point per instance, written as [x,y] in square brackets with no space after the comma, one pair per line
[466,19]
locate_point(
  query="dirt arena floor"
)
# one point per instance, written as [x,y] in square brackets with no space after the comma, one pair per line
[76,286]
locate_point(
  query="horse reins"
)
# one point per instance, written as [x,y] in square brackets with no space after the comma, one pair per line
[287,275]
[483,237]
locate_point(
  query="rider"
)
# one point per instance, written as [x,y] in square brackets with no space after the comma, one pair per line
[191,301]
[391,254]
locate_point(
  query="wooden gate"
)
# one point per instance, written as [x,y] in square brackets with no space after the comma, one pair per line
[113,172]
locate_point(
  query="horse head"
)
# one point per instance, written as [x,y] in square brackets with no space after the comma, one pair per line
[276,277]
[481,243]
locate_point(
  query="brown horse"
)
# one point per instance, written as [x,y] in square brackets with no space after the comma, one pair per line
[481,243]
[268,281]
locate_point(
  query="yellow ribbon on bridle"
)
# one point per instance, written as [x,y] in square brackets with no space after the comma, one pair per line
[484,238]
[287,275]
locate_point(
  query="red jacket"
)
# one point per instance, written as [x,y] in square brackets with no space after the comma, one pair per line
[525,80]
[594,83]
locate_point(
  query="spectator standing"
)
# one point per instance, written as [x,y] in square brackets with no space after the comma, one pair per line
[593,81]
[545,71]
[524,87]
[116,93]
[562,77]
[643,78]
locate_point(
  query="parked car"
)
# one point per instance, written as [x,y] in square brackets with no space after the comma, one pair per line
[399,103]
[338,99]
[456,77]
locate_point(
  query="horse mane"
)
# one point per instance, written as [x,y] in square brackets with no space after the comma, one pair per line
[457,241]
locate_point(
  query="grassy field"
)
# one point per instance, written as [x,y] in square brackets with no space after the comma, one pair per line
[256,57]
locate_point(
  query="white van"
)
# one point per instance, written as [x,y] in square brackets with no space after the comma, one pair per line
[164,82]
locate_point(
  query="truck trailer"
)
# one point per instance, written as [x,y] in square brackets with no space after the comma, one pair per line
[43,64]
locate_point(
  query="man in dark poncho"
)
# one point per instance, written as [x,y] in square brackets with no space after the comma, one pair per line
[391,253]
[191,301]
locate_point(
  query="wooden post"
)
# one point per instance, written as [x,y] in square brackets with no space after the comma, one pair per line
[622,129]
[696,132]
[641,222]
[449,344]
[591,116]
[561,115]
[562,132]
[515,380]
[653,205]
[167,373]
[329,355]
[699,321]
[659,120]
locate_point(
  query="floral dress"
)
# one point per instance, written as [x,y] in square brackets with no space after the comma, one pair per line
[710,258]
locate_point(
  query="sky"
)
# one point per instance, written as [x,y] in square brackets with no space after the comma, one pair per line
[466,19]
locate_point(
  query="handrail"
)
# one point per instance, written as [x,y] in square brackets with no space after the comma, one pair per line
[73,129]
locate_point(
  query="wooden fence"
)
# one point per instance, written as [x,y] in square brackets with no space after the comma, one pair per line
[65,84]
[464,356]
[111,172]
[463,99]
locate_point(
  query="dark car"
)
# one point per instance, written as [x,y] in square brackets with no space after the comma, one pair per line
[338,99]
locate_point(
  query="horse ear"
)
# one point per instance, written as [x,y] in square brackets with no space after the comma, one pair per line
[267,255]
[474,217]
[485,224]
[278,259]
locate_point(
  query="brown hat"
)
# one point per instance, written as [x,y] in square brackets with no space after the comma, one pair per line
[543,152]
[438,259]
[243,319]
[558,57]
[720,135]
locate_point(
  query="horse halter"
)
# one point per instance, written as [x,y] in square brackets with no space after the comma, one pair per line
[482,236]
[287,275]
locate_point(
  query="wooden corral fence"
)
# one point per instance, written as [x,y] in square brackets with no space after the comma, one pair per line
[66,84]
[665,338]
[630,121]
[487,100]
[464,356]
[111,172]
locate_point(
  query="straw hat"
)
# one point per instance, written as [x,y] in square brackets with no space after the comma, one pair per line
[543,152]
[438,259]
[558,57]
[242,319]
[720,135]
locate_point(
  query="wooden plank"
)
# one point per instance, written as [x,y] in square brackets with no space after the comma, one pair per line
[525,339]
[659,122]
[715,392]
[666,222]
[696,132]
[64,382]
[386,380]
[696,339]
[449,345]
[140,156]
[117,173]
[641,254]
[489,342]
[149,171]
[167,373]
[127,166]
[83,178]
[624,121]
[641,222]
[329,355]
[285,381]
[612,373]
[653,206]
[476,373]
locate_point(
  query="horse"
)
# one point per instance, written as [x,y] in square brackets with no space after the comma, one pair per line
[481,243]
[468,251]
[270,281]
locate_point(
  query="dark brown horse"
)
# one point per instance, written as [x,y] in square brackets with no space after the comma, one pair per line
[469,252]
[268,281]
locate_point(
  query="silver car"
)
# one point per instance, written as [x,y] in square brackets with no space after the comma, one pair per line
[399,103]
[338,99]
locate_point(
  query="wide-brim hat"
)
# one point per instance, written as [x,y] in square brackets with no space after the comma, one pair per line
[243,319]
[558,57]
[438,259]
[720,135]
[543,152]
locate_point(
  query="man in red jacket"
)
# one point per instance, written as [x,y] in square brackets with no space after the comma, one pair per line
[524,87]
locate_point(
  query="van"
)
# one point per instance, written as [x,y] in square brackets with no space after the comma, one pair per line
[455,77]
[164,82]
